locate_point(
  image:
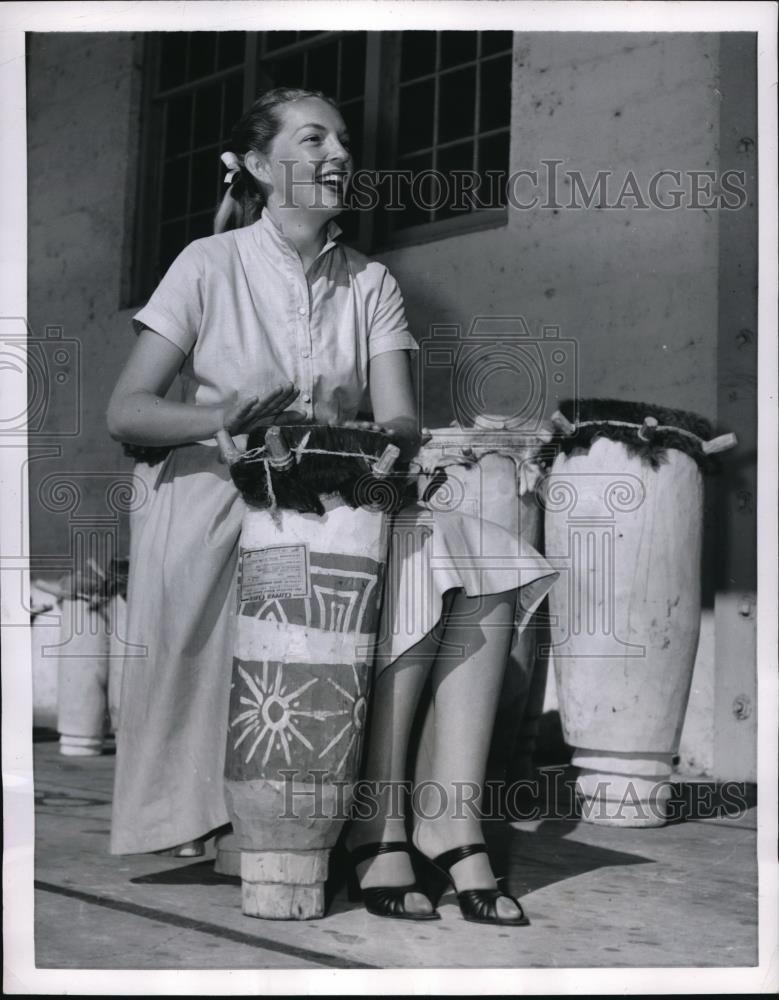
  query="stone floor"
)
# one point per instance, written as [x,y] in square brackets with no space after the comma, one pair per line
[597,897]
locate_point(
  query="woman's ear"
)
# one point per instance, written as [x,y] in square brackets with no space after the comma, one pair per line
[258,167]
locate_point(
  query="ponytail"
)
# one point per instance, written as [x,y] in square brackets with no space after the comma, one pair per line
[241,205]
[244,199]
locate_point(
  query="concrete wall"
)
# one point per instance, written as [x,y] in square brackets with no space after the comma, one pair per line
[636,289]
[83,108]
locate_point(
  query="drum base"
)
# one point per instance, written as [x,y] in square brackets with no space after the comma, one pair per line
[81,746]
[284,885]
[623,789]
[228,857]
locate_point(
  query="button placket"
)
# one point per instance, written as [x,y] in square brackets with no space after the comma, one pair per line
[304,346]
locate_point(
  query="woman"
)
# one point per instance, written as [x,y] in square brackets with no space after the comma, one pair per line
[273,318]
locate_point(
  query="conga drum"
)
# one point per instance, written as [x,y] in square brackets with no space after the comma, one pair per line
[310,576]
[623,524]
[89,654]
[473,532]
[44,637]
[82,677]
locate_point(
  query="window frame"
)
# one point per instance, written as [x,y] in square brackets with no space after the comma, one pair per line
[381,98]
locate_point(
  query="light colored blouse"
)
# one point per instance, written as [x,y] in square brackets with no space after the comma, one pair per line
[247,317]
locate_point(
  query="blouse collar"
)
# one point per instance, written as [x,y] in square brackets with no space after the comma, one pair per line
[267,224]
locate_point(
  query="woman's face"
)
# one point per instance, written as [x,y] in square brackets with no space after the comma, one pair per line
[309,163]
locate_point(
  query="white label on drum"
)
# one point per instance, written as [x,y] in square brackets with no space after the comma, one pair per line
[279,571]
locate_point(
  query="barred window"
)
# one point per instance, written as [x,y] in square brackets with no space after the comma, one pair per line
[431,108]
[453,107]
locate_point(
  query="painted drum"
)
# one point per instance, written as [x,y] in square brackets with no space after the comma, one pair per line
[309,592]
[623,525]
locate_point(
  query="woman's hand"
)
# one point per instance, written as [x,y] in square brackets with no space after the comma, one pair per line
[365,425]
[247,413]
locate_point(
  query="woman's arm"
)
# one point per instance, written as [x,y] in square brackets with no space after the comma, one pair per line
[392,394]
[138,413]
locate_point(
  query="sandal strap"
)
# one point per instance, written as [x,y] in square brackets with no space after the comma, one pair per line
[449,858]
[367,851]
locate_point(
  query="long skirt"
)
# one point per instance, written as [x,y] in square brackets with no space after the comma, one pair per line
[174,701]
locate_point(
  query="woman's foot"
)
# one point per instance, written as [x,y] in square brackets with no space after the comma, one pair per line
[434,837]
[191,849]
[389,869]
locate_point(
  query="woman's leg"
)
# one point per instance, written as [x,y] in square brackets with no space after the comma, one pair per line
[395,698]
[467,679]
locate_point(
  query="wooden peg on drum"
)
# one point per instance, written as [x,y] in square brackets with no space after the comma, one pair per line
[280,456]
[647,430]
[228,453]
[721,443]
[384,465]
[562,424]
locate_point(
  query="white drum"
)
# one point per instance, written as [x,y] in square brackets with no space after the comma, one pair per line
[623,524]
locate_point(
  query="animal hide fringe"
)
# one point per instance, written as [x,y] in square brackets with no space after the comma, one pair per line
[653,452]
[300,487]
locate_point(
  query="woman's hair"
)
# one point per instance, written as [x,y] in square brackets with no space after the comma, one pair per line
[255,130]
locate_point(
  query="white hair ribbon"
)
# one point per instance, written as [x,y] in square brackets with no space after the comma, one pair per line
[233,165]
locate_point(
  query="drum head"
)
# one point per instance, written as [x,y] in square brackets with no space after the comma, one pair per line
[623,421]
[324,461]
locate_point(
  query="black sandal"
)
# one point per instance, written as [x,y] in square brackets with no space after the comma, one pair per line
[476,905]
[385,901]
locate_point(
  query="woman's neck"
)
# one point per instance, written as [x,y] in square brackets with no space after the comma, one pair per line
[307,234]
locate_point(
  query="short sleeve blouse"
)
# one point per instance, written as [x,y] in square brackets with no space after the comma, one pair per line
[247,317]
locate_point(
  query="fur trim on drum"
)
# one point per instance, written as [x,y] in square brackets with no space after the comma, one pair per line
[326,460]
[623,421]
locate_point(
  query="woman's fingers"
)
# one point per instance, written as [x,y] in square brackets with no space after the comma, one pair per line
[278,399]
[247,411]
[366,425]
[238,412]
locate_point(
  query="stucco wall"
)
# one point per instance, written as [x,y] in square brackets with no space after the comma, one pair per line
[635,289]
[82,137]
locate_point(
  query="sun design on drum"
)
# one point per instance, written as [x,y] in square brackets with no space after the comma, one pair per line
[356,723]
[270,713]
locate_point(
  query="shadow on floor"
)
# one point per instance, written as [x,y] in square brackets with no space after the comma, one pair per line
[534,860]
[199,873]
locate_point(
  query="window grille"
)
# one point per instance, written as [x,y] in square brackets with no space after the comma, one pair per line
[435,105]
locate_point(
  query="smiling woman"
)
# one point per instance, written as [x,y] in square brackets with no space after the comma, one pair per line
[271,319]
[311,163]
[415,102]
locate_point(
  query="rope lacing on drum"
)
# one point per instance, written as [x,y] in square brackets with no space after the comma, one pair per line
[638,427]
[260,454]
[527,468]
